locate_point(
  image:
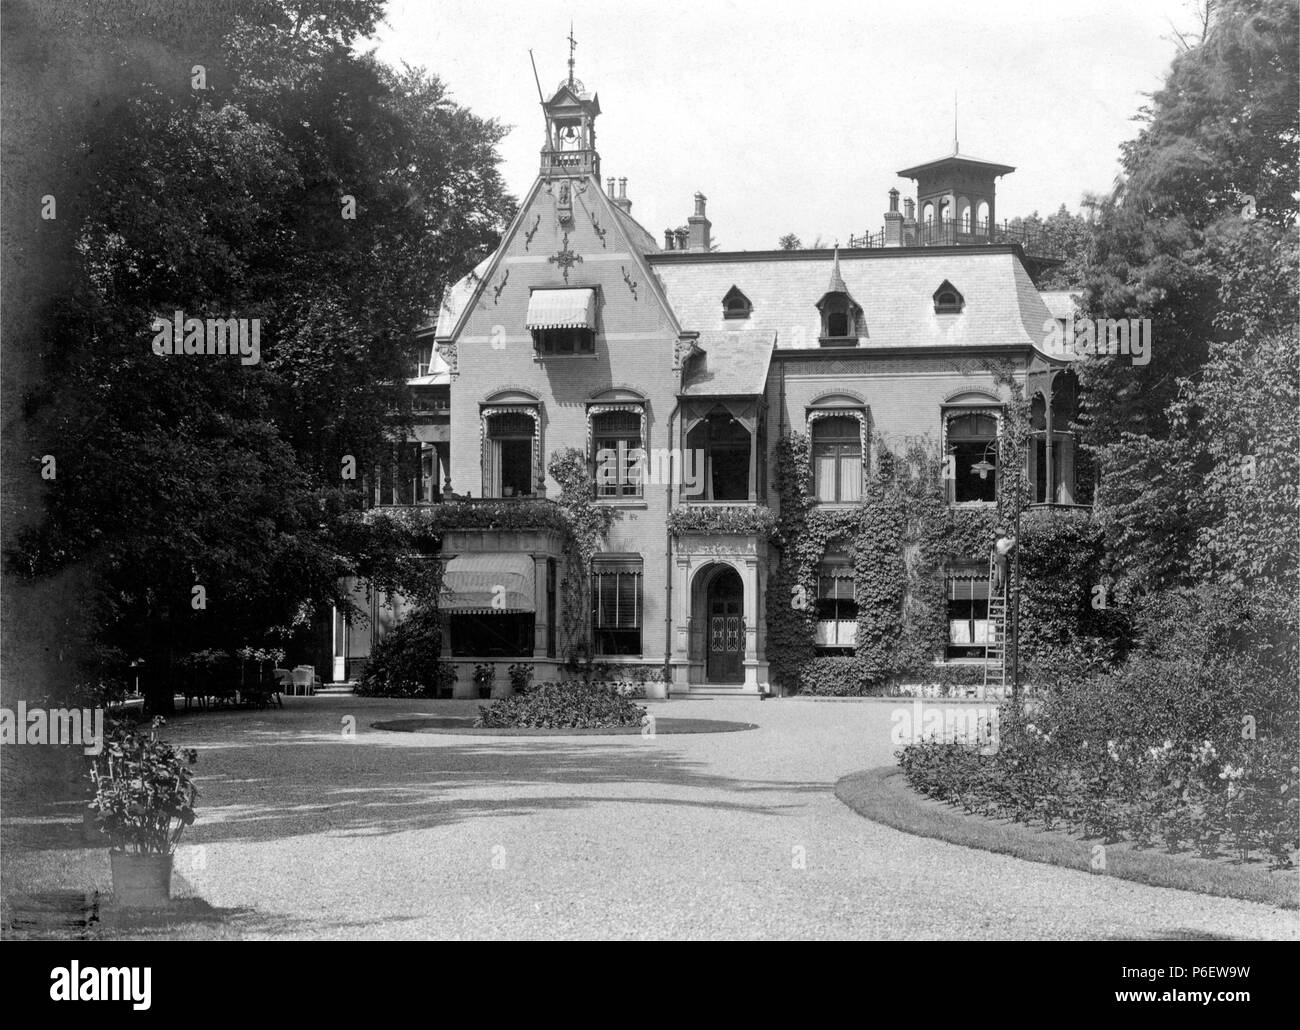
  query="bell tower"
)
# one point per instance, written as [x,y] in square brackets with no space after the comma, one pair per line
[570,147]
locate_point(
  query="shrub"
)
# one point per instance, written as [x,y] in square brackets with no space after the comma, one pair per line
[1180,749]
[834,676]
[562,705]
[405,662]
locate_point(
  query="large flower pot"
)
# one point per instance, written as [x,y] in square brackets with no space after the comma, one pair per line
[141,881]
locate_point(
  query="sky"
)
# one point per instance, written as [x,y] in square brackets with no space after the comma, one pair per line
[796,116]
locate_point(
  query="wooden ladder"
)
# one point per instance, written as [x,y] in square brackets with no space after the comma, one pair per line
[995,646]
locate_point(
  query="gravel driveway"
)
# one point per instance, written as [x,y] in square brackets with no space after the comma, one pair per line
[306,832]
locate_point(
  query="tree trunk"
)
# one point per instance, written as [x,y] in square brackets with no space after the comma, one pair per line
[158,686]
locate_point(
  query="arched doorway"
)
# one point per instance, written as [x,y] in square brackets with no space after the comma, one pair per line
[724,641]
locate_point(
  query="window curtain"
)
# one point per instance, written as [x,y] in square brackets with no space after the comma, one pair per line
[824,476]
[850,477]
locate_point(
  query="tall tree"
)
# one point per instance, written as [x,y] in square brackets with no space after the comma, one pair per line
[1199,237]
[306,187]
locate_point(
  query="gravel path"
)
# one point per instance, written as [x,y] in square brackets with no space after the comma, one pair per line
[305,832]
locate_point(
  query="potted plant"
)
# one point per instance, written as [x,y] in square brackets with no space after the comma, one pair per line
[144,799]
[444,680]
[484,674]
[521,676]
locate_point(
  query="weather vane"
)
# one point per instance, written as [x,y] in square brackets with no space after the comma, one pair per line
[572,44]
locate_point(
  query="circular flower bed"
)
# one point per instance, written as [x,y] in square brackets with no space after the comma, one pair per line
[561,706]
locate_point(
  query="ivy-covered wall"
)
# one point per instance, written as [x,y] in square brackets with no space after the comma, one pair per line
[900,539]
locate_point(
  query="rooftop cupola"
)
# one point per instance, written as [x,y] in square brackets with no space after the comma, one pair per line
[956,196]
[570,147]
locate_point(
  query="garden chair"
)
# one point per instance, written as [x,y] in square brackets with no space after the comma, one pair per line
[303,676]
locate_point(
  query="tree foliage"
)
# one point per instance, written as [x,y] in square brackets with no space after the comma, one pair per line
[310,188]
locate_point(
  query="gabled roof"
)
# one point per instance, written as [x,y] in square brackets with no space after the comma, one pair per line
[461,298]
[837,287]
[895,285]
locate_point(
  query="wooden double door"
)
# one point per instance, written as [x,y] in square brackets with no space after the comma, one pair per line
[725,628]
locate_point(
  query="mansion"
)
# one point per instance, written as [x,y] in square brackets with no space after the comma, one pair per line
[677,369]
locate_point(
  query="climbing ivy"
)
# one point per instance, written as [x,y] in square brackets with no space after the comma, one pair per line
[587,523]
[900,538]
[581,522]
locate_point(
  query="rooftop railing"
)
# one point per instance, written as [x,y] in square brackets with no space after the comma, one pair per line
[953,233]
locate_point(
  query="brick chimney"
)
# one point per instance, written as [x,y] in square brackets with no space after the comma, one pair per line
[609,187]
[893,222]
[699,226]
[621,200]
[669,240]
[683,239]
[909,222]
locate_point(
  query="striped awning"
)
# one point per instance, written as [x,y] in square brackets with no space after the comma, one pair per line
[488,584]
[562,309]
[960,589]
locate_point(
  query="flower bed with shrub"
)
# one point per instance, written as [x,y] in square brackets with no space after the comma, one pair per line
[562,706]
[405,662]
[1191,745]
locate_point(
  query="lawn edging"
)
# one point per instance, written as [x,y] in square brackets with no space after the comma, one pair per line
[883,795]
[466,727]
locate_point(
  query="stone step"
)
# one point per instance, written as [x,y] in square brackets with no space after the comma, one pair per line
[335,690]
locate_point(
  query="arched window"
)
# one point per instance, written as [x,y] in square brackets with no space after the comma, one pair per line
[510,439]
[617,452]
[724,443]
[982,217]
[927,213]
[973,457]
[1052,453]
[837,458]
[963,214]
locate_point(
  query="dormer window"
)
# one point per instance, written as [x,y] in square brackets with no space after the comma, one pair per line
[841,314]
[736,305]
[948,300]
[837,319]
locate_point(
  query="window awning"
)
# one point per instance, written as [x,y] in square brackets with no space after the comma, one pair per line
[562,309]
[962,589]
[488,584]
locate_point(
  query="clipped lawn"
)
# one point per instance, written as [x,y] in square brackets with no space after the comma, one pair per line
[884,796]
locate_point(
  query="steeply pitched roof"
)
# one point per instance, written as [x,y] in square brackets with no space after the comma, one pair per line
[894,286]
[637,232]
[733,363]
[1061,303]
[454,300]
